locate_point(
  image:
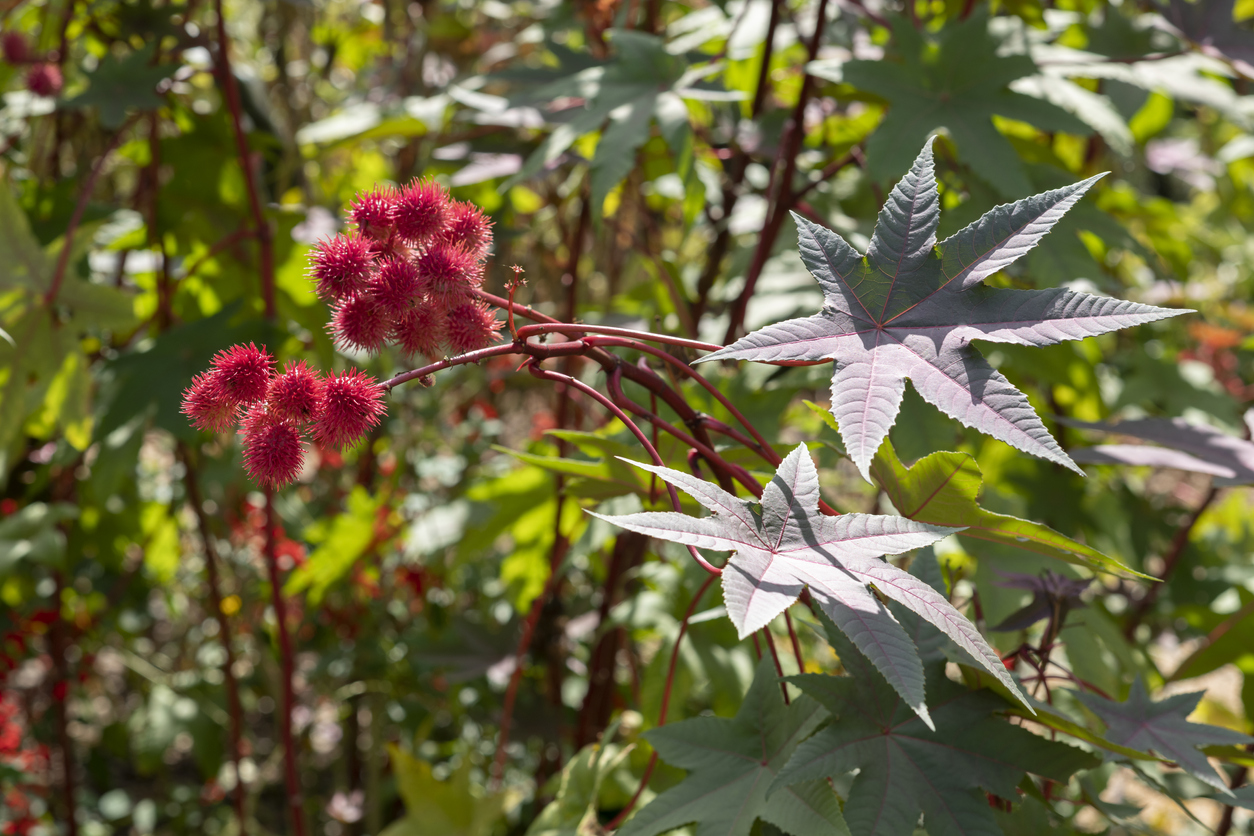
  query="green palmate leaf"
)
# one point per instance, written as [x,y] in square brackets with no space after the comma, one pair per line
[959,84]
[631,91]
[786,545]
[122,84]
[907,768]
[910,308]
[944,489]
[731,764]
[441,808]
[1163,727]
[574,811]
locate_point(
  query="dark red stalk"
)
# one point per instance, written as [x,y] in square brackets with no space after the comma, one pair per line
[76,218]
[291,776]
[796,643]
[780,189]
[579,329]
[779,668]
[666,703]
[557,377]
[236,731]
[230,90]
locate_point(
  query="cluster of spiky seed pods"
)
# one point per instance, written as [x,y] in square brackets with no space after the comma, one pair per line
[407,273]
[405,276]
[278,412]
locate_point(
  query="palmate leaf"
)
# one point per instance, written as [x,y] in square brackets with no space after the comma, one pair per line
[910,308]
[788,545]
[958,84]
[574,811]
[907,768]
[1187,446]
[1163,728]
[732,763]
[944,488]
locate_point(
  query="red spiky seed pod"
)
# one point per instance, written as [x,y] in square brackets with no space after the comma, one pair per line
[273,452]
[342,266]
[449,273]
[468,228]
[44,80]
[205,407]
[372,212]
[295,395]
[361,322]
[471,326]
[420,211]
[352,403]
[421,331]
[396,286]
[15,47]
[240,374]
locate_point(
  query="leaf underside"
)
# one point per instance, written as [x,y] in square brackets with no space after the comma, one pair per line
[910,308]
[789,546]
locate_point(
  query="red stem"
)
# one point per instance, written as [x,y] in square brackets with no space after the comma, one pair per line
[796,643]
[224,630]
[63,257]
[558,377]
[264,234]
[577,329]
[779,668]
[666,703]
[287,664]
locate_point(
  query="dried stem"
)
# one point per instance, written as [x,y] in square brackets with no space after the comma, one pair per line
[287,664]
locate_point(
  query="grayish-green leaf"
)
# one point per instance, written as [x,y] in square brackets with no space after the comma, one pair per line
[911,307]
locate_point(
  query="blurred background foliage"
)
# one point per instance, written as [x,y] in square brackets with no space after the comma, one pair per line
[639,159]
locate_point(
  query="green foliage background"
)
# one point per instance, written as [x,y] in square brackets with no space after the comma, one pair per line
[638,158]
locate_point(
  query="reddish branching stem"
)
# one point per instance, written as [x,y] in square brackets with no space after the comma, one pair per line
[287,659]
